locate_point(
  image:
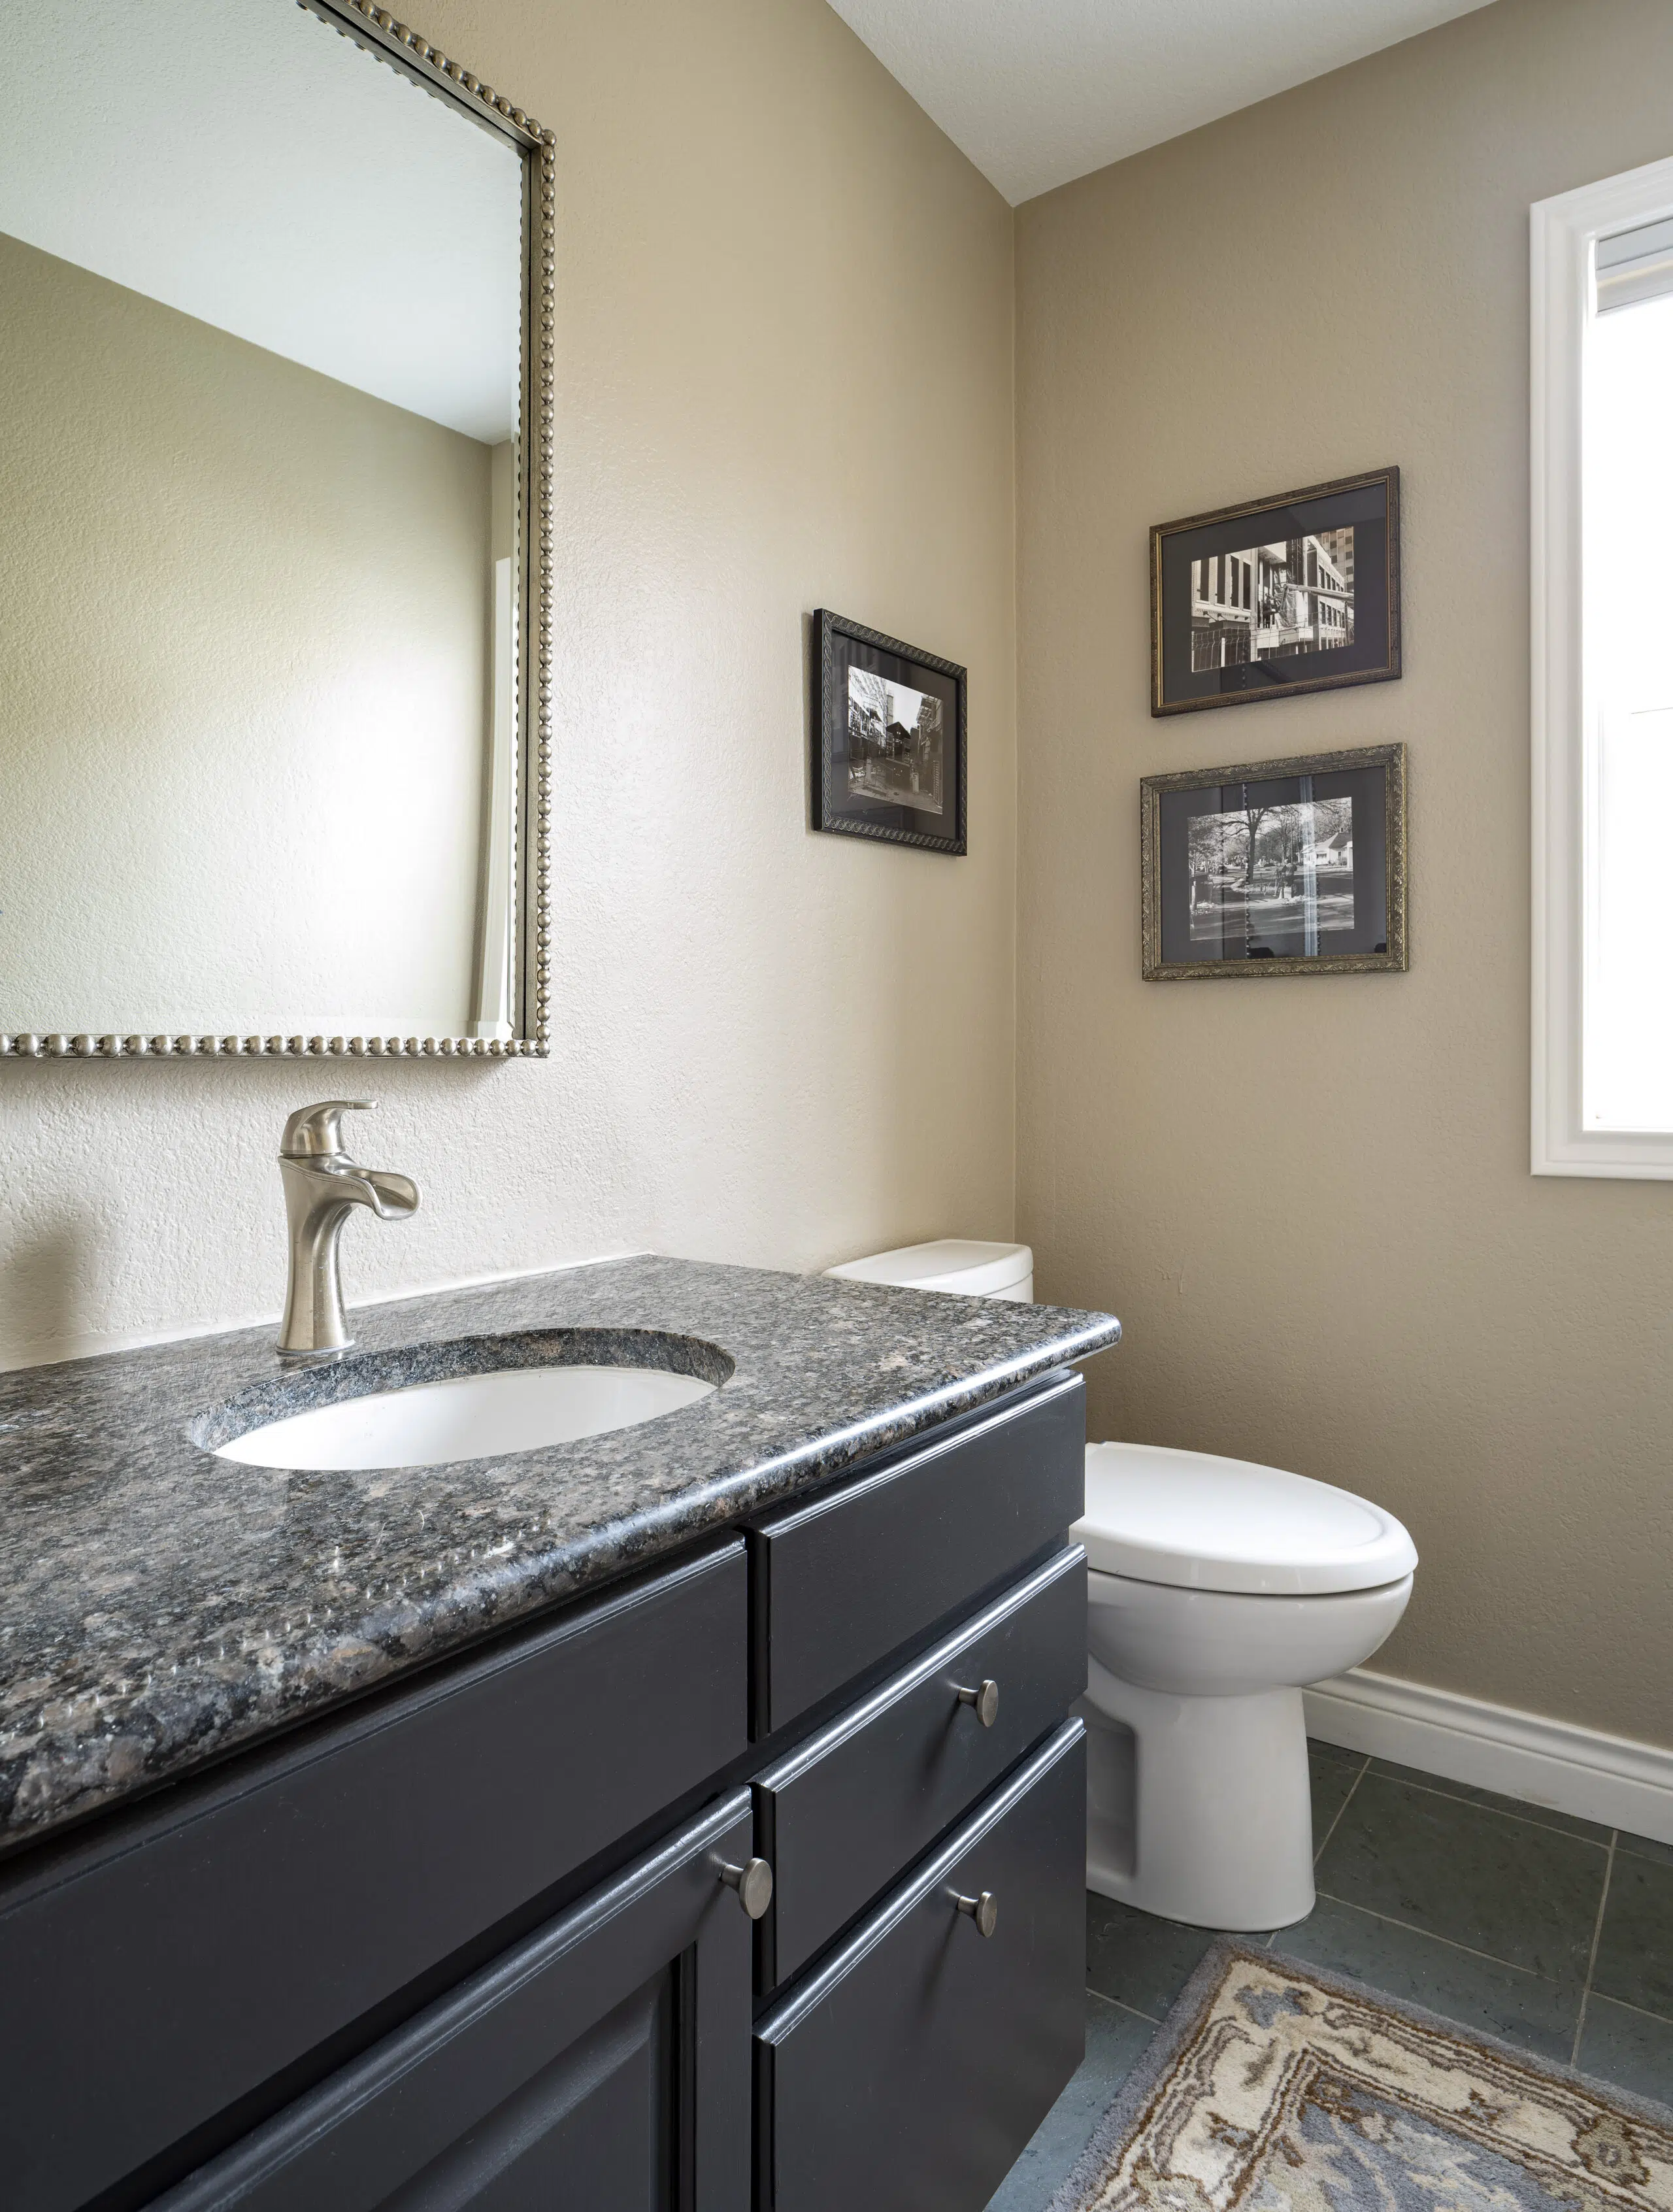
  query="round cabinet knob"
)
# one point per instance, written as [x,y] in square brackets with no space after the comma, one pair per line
[753,1881]
[982,1909]
[984,1701]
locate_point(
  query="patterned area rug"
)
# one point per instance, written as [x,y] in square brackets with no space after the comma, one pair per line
[1276,2088]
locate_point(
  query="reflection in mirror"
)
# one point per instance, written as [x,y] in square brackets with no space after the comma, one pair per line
[261,581]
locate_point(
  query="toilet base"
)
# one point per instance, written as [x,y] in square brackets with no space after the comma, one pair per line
[1199,1808]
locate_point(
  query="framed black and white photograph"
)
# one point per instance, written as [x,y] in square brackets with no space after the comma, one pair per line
[1296,593]
[1283,867]
[889,739]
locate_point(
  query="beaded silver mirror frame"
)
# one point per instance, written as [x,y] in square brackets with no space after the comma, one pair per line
[396,42]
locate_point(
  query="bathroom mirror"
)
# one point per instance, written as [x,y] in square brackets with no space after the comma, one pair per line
[275,368]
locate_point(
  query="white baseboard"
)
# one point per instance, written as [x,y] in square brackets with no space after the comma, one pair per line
[1607,1778]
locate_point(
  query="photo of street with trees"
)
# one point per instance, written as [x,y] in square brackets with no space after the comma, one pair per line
[1274,877]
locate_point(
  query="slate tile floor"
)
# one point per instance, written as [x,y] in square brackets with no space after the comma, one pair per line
[1548,1931]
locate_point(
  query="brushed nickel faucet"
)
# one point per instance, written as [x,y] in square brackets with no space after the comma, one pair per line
[322,1184]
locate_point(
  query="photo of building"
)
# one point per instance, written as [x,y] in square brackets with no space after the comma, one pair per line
[1263,602]
[894,742]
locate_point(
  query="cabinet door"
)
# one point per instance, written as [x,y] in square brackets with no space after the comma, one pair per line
[605,2062]
[907,2073]
[157,1978]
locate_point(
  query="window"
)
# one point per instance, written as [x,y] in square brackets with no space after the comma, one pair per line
[1602,678]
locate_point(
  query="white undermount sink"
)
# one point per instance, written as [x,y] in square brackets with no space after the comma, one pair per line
[478,1416]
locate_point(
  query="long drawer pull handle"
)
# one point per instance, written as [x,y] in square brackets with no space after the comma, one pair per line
[982,1909]
[983,1700]
[753,1881]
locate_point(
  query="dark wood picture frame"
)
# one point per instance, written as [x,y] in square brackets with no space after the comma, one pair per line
[1170,903]
[879,798]
[1366,600]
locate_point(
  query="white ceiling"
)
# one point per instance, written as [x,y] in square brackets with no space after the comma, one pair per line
[1037,91]
[243,162]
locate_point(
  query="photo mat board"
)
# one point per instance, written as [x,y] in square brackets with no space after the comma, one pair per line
[1285,867]
[1296,593]
[889,739]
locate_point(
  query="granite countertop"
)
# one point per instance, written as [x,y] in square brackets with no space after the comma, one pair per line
[160,1607]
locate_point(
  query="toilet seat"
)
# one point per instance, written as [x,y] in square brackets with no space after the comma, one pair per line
[1195,1522]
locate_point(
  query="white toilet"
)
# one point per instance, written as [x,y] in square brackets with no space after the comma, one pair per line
[1216,1590]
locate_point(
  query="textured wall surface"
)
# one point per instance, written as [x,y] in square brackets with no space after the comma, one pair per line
[784,380]
[1309,1200]
[246,616]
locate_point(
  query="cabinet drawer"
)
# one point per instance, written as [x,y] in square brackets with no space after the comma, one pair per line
[838,1584]
[842,1814]
[580,2069]
[158,1979]
[908,2074]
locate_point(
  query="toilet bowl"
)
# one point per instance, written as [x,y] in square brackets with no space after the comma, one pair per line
[1216,1590]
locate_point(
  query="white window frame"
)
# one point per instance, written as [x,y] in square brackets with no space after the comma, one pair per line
[1565,233]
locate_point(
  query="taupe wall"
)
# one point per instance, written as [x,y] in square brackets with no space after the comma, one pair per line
[1310,1200]
[784,319]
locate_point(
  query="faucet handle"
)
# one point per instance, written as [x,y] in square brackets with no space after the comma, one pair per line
[314,1132]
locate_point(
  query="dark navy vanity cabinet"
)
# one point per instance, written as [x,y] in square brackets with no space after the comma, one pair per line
[479,1940]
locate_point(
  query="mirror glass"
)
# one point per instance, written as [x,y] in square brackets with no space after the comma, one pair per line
[261,307]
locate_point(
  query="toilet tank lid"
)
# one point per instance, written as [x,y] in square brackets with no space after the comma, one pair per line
[954,1264]
[1199,1522]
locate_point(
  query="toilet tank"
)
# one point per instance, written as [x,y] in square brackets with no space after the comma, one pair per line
[970,1269]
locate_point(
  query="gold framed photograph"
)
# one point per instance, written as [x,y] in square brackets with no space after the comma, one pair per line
[1280,867]
[1297,593]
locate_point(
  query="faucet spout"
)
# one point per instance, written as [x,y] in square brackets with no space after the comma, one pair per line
[392,1197]
[323,1186]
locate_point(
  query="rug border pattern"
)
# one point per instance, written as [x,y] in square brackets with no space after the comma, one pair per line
[1131,2106]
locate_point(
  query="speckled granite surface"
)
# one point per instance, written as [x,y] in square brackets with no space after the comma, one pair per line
[159,1605]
